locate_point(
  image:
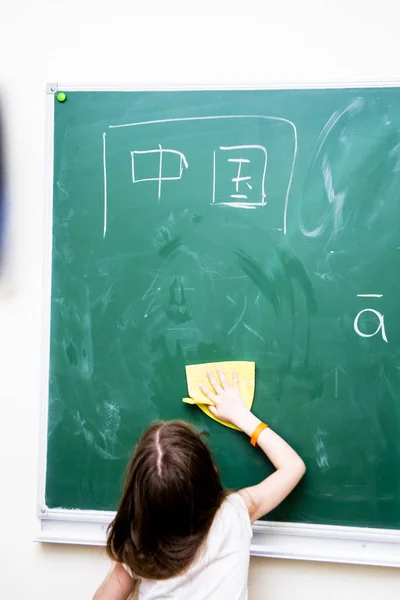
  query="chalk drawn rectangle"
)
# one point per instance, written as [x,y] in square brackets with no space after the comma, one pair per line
[236,202]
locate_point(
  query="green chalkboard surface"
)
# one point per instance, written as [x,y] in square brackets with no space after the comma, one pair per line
[199,226]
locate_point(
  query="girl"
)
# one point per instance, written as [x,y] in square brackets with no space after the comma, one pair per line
[177,533]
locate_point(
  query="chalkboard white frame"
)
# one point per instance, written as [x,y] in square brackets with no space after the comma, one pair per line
[296,541]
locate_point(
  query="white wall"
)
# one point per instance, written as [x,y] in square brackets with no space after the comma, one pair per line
[115,41]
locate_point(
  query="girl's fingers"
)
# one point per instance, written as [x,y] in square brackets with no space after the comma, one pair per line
[235,380]
[222,378]
[213,410]
[214,383]
[207,392]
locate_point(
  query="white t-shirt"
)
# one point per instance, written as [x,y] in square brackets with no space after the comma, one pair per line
[221,570]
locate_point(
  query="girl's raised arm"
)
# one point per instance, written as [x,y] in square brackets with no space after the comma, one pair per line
[266,495]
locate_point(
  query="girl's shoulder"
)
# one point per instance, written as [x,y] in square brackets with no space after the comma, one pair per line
[237,500]
[233,517]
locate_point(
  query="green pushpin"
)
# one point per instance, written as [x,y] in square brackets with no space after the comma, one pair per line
[61,96]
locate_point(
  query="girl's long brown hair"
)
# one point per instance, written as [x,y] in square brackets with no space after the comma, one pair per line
[172,492]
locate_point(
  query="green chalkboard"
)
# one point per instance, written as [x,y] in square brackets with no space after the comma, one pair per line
[198,226]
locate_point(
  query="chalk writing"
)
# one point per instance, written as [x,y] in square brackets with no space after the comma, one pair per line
[239,198]
[183,164]
[380,323]
[238,175]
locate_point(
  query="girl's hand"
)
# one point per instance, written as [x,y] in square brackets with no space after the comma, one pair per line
[228,403]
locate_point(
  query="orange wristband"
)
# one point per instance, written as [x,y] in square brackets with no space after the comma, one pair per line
[256,433]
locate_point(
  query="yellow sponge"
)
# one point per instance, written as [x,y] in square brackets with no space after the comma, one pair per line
[196,374]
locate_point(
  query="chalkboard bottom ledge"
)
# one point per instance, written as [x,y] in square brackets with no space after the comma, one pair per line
[294,541]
